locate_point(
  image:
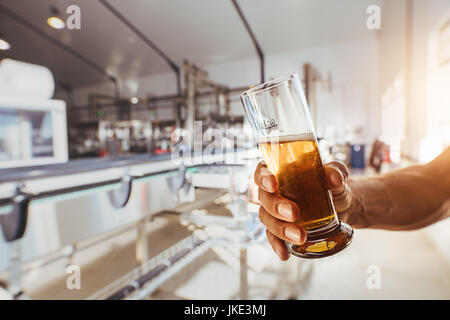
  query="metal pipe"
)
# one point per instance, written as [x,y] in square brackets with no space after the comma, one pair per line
[190,81]
[81,246]
[167,98]
[83,187]
[57,192]
[144,279]
[252,36]
[147,41]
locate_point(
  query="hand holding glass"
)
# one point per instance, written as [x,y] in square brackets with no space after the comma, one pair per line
[278,114]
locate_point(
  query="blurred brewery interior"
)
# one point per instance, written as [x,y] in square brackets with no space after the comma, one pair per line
[96,96]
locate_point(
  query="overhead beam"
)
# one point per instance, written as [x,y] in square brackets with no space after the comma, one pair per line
[147,41]
[61,45]
[64,85]
[252,36]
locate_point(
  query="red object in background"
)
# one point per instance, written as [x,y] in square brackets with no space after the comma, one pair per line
[161,151]
[102,153]
[379,154]
[387,153]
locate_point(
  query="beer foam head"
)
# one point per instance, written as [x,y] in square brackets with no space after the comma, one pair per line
[287,138]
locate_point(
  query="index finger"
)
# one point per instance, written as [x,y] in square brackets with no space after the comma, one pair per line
[265,179]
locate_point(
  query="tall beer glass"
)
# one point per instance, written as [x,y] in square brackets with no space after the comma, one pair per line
[279,116]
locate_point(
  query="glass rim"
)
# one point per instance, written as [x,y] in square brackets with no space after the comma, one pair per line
[270,84]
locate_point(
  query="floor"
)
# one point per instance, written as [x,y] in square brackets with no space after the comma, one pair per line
[408,265]
[377,265]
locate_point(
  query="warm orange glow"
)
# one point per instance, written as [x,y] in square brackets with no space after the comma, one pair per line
[393,118]
[438,94]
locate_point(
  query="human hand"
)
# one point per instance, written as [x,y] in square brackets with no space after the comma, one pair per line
[278,214]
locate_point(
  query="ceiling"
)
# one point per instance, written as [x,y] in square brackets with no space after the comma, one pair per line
[205,31]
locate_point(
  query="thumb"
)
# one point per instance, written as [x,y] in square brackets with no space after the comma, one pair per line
[336,175]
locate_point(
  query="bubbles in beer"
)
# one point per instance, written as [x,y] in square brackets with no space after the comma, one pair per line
[296,162]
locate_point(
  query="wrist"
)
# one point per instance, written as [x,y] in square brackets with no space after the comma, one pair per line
[355,213]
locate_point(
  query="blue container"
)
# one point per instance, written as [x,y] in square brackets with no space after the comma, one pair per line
[357,156]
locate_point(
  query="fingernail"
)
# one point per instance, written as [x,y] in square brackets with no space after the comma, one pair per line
[285,209]
[267,183]
[336,178]
[265,172]
[292,233]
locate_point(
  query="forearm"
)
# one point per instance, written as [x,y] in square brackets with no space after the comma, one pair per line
[405,199]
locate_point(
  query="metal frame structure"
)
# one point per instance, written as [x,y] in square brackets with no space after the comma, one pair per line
[14,222]
[143,281]
[146,278]
[253,37]
[146,40]
[138,33]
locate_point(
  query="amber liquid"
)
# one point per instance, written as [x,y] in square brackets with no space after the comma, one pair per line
[296,162]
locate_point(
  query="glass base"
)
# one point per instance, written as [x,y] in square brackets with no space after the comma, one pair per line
[323,243]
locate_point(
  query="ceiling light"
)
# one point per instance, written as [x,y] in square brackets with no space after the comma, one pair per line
[56,23]
[55,20]
[4,45]
[134,100]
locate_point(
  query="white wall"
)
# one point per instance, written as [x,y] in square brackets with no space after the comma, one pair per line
[435,14]
[353,66]
[405,55]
